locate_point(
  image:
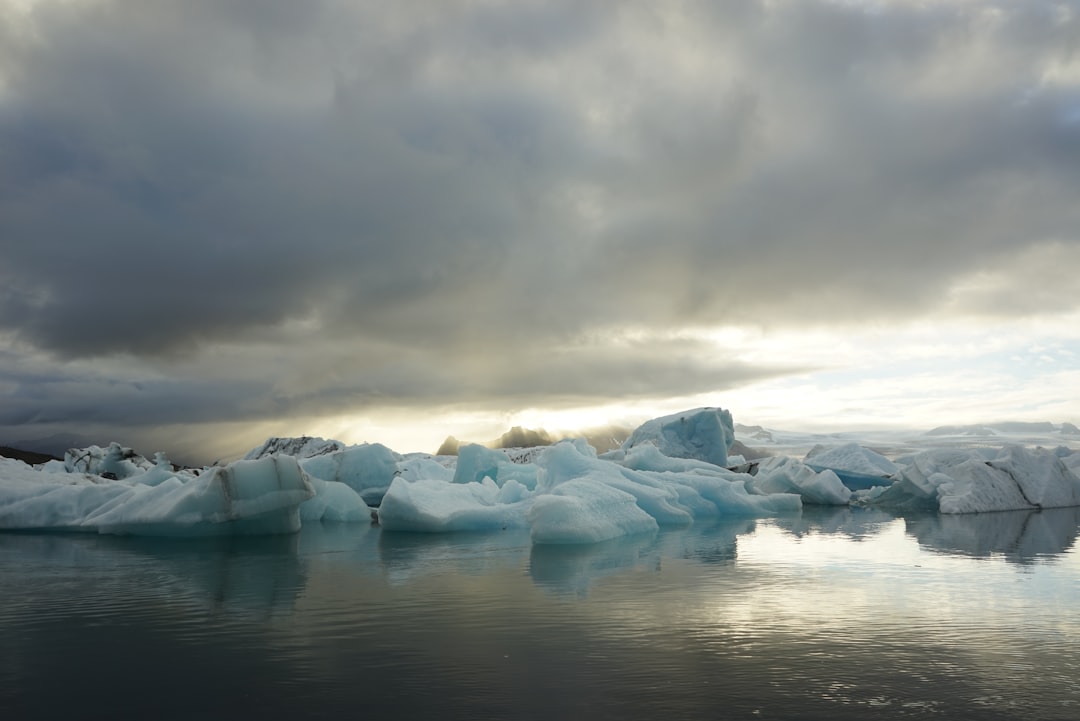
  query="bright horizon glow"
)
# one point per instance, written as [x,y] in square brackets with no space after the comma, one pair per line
[915,377]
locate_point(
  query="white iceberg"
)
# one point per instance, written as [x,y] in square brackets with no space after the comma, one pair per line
[476,462]
[671,472]
[334,501]
[413,466]
[705,434]
[368,469]
[857,467]
[573,486]
[587,511]
[435,506]
[782,474]
[980,481]
[245,497]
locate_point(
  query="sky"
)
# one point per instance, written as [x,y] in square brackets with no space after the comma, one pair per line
[222,220]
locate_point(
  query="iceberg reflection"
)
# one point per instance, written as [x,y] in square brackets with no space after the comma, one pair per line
[250,577]
[1017,536]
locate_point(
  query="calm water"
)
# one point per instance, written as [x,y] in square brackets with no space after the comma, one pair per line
[832,615]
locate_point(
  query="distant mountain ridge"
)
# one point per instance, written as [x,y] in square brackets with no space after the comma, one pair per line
[28,457]
[54,445]
[993,429]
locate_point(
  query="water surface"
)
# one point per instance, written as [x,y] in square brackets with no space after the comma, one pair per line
[836,613]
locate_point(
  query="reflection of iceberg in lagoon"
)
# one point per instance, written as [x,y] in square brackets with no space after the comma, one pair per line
[253,577]
[1018,536]
[405,556]
[855,523]
[573,569]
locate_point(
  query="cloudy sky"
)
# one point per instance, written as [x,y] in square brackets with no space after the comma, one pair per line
[384,221]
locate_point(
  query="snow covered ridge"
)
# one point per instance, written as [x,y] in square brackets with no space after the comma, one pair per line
[671,472]
[302,447]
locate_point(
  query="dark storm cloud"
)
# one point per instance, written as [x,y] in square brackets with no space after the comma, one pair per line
[361,203]
[52,396]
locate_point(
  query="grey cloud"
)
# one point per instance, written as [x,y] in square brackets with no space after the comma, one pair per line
[412,182]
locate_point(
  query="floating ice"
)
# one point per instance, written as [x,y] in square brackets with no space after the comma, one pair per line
[476,462]
[850,457]
[1070,458]
[703,433]
[435,506]
[334,501]
[245,497]
[787,475]
[978,481]
[586,511]
[857,467]
[573,486]
[648,457]
[368,469]
[671,472]
[115,461]
[414,466]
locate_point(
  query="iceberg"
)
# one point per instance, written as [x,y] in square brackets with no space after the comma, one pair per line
[979,481]
[368,469]
[420,465]
[857,467]
[782,474]
[435,506]
[476,462]
[334,501]
[577,497]
[671,472]
[114,462]
[585,511]
[705,434]
[243,498]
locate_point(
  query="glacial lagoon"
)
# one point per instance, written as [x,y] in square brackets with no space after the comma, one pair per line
[832,613]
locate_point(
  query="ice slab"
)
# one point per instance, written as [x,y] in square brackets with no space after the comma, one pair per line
[857,467]
[245,497]
[586,511]
[435,506]
[578,498]
[787,475]
[850,457]
[368,469]
[114,461]
[476,462]
[334,501]
[705,434]
[979,481]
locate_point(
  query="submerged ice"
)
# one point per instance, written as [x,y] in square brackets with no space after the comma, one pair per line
[671,472]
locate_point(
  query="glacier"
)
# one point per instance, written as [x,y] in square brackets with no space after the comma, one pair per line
[671,472]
